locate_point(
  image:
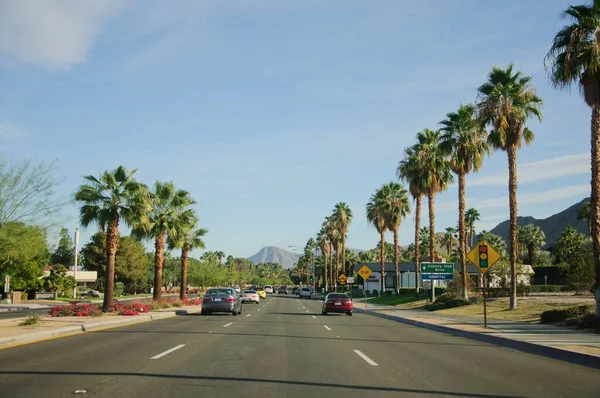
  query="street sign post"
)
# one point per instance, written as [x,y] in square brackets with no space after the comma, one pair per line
[342,278]
[483,256]
[435,272]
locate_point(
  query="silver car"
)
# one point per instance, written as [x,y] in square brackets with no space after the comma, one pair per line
[221,299]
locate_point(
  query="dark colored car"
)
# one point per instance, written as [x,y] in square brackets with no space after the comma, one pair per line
[221,299]
[337,302]
[282,290]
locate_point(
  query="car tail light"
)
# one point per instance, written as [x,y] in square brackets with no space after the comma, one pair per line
[230,299]
[206,299]
[346,301]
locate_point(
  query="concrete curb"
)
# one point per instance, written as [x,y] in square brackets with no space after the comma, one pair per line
[9,341]
[525,346]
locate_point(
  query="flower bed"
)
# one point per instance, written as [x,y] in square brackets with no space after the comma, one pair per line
[194,301]
[130,309]
[76,309]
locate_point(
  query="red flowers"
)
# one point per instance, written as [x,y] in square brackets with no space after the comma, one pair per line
[76,309]
[130,309]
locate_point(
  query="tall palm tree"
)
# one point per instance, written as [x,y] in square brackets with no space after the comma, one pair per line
[396,207]
[472,216]
[506,101]
[448,240]
[220,255]
[409,170]
[435,174]
[532,237]
[333,235]
[186,238]
[464,141]
[574,59]
[323,244]
[376,216]
[106,200]
[308,252]
[585,214]
[343,214]
[164,219]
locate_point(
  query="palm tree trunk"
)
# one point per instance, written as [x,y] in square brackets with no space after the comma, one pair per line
[325,255]
[431,199]
[112,243]
[512,239]
[337,265]
[184,265]
[159,248]
[382,234]
[472,229]
[330,264]
[344,270]
[594,201]
[417,241]
[397,279]
[462,244]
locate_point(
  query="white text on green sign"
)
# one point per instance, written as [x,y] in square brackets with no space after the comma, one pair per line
[437,268]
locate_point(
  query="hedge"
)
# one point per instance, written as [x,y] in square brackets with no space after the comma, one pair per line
[561,315]
[446,301]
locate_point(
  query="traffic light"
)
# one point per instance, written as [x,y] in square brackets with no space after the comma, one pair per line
[483,256]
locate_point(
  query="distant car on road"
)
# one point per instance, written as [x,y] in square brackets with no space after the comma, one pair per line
[305,292]
[250,296]
[261,293]
[282,290]
[337,302]
[269,289]
[221,299]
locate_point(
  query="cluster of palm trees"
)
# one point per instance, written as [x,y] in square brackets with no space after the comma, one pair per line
[163,213]
[332,238]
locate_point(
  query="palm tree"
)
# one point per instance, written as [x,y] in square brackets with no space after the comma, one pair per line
[396,207]
[574,60]
[494,240]
[448,240]
[584,214]
[409,170]
[532,237]
[167,205]
[464,141]
[471,216]
[435,174]
[308,252]
[106,200]
[376,216]
[333,235]
[323,244]
[186,238]
[220,255]
[343,214]
[506,101]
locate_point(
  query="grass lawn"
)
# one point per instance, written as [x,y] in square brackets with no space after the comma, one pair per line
[528,309]
[397,300]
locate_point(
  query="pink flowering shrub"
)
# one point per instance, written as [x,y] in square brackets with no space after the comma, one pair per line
[76,309]
[130,309]
[194,301]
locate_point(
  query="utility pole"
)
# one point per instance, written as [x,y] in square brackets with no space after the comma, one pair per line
[76,241]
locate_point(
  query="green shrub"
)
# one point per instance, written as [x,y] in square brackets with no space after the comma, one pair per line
[446,301]
[32,319]
[589,322]
[561,315]
[547,288]
[118,289]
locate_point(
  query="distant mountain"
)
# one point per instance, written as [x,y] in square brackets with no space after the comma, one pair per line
[552,226]
[273,254]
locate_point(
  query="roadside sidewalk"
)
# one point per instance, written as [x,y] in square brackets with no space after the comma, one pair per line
[546,340]
[11,334]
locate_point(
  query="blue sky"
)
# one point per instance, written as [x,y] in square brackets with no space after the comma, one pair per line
[271,111]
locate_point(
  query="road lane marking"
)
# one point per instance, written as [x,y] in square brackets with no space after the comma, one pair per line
[162,354]
[314,317]
[307,311]
[258,309]
[366,358]
[230,323]
[248,314]
[326,327]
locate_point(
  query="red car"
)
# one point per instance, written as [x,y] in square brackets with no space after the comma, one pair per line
[338,303]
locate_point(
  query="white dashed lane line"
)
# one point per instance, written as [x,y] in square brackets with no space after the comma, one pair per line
[248,314]
[230,323]
[366,358]
[326,327]
[162,354]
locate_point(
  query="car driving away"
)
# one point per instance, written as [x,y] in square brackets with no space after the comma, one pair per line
[250,296]
[339,303]
[221,299]
[269,289]
[305,292]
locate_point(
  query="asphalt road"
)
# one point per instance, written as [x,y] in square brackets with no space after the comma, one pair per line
[283,347]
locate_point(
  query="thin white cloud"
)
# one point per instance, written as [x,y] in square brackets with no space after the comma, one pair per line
[9,130]
[548,169]
[51,33]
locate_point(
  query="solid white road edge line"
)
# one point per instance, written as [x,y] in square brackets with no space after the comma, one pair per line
[230,323]
[162,354]
[326,327]
[366,358]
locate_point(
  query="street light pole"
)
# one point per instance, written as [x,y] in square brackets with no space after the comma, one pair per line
[76,241]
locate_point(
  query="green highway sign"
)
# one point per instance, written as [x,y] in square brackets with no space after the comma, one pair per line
[437,268]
